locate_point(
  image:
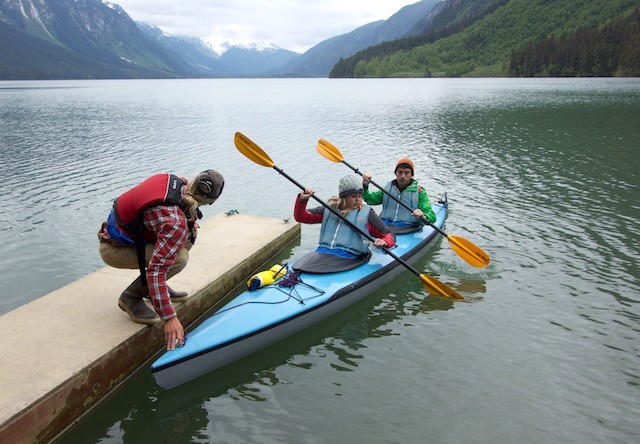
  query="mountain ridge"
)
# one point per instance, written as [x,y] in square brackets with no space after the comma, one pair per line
[484,47]
[320,59]
[105,36]
[102,36]
[65,39]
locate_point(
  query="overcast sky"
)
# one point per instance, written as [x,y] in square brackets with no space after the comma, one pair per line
[296,25]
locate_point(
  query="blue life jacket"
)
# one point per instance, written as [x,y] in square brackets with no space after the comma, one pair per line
[393,211]
[115,234]
[337,234]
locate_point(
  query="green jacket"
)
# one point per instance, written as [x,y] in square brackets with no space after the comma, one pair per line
[376,198]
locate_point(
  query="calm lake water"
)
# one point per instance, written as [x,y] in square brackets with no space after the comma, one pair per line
[541,173]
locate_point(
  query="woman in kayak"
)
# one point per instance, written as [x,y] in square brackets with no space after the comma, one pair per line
[341,246]
[405,188]
[152,227]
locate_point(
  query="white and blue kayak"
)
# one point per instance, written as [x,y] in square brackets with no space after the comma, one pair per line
[256,319]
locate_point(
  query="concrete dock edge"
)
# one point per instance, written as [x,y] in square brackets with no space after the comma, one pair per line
[64,352]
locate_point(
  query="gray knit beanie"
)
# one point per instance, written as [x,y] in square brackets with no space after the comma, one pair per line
[349,184]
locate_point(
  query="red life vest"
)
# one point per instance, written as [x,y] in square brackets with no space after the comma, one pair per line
[156,190]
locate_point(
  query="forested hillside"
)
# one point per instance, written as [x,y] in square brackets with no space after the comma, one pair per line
[492,31]
[447,19]
[613,50]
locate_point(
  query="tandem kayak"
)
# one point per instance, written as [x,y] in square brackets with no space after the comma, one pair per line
[256,319]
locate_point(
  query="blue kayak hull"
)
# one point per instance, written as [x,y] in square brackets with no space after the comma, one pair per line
[256,319]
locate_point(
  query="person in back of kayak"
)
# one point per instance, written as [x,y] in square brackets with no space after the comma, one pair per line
[152,227]
[408,190]
[341,245]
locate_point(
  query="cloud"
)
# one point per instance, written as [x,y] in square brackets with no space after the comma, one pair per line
[296,25]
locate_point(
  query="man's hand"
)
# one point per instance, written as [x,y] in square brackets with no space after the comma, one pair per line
[173,333]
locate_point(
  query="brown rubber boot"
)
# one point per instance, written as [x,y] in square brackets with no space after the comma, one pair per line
[176,296]
[131,301]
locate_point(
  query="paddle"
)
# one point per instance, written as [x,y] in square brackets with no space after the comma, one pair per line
[468,251]
[254,153]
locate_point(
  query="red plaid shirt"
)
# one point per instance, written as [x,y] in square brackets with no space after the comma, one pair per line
[169,224]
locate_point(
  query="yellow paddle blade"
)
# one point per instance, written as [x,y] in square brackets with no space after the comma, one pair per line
[468,251]
[252,151]
[437,288]
[329,151]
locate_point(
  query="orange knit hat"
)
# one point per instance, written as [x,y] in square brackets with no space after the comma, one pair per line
[404,162]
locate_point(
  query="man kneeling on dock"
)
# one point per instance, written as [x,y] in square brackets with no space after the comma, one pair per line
[152,227]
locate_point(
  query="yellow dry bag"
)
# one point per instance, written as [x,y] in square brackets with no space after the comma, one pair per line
[266,277]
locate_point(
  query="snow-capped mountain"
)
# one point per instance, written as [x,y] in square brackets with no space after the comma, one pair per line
[77,39]
[253,59]
[206,57]
[58,39]
[196,56]
[221,48]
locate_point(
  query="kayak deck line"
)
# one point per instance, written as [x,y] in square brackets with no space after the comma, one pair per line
[55,368]
[240,327]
